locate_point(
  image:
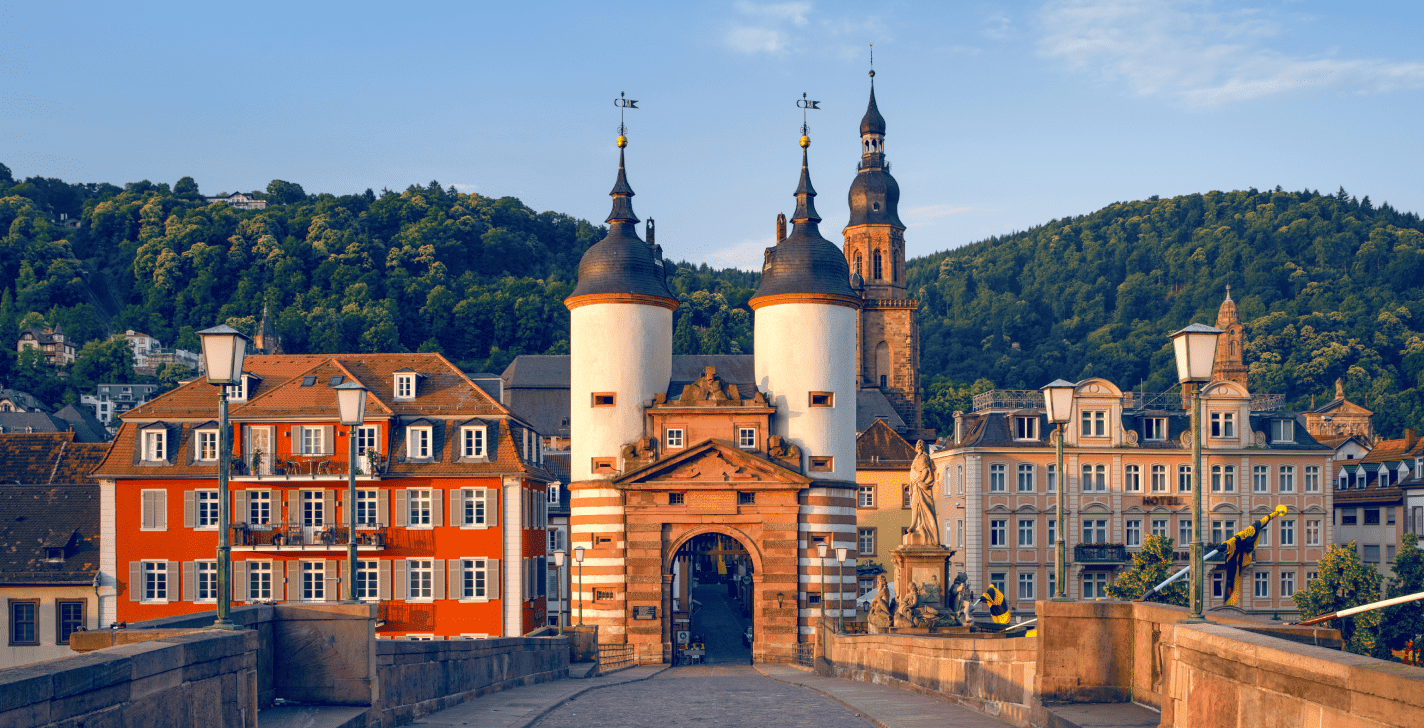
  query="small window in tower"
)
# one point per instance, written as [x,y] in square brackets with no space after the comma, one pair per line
[822,463]
[604,465]
[823,399]
[604,399]
[875,206]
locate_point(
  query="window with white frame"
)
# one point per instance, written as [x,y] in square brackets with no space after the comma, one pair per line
[1287,530]
[959,527]
[472,442]
[1287,583]
[155,445]
[1222,530]
[237,392]
[1159,527]
[865,496]
[1095,585]
[1159,478]
[674,437]
[959,478]
[1184,478]
[367,504]
[368,580]
[474,507]
[1154,428]
[1263,584]
[1095,478]
[366,439]
[1263,535]
[1184,531]
[996,478]
[1132,479]
[1286,475]
[1223,478]
[1052,478]
[999,532]
[1260,479]
[314,581]
[1052,531]
[1133,531]
[259,507]
[998,580]
[1025,428]
[207,445]
[259,580]
[155,581]
[551,494]
[1312,532]
[1095,530]
[417,442]
[1311,576]
[1223,424]
[556,540]
[1052,583]
[313,508]
[1026,530]
[1094,423]
[418,502]
[1026,587]
[420,577]
[474,579]
[1283,431]
[313,441]
[1217,585]
[866,540]
[206,590]
[405,386]
[206,506]
[747,438]
[1025,478]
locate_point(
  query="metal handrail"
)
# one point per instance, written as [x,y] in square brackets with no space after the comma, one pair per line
[294,535]
[1168,400]
[805,654]
[295,462]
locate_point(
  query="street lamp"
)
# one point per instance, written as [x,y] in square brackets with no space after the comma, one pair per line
[822,548]
[841,552]
[578,558]
[1058,405]
[223,351]
[351,405]
[1195,347]
[559,557]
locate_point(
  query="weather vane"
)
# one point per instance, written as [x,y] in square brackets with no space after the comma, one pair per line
[872,63]
[805,104]
[622,102]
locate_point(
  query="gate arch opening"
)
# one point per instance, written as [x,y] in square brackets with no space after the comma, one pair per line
[712,572]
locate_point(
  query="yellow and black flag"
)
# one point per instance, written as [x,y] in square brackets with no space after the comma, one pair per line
[1239,550]
[998,609]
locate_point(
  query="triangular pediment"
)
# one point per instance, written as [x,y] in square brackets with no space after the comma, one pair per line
[713,462]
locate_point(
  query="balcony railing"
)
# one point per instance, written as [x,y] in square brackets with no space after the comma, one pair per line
[1111,553]
[306,464]
[999,399]
[1008,399]
[282,536]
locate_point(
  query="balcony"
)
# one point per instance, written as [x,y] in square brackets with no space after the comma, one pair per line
[306,465]
[296,537]
[1100,553]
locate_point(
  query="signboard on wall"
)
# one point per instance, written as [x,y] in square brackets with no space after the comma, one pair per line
[644,613]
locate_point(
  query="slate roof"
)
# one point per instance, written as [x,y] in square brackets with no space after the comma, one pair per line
[993,429]
[87,427]
[538,371]
[47,458]
[23,399]
[882,448]
[871,405]
[65,516]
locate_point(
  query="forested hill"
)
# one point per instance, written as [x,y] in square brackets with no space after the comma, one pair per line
[1327,286]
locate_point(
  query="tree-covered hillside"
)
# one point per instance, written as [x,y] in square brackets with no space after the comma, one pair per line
[1327,286]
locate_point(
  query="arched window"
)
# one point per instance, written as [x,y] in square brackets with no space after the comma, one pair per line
[858,271]
[895,269]
[875,269]
[1231,347]
[882,364]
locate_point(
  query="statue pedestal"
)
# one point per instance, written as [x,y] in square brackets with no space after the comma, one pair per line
[926,566]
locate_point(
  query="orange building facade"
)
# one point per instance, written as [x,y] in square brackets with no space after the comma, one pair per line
[450,503]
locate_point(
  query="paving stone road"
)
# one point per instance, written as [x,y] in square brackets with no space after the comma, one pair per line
[724,695]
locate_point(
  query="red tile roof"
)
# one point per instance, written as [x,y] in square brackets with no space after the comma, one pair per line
[48,458]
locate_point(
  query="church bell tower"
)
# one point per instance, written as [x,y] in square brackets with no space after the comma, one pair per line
[888,357]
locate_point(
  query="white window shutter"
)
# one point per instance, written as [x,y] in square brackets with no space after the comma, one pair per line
[328,439]
[136,580]
[437,506]
[333,580]
[402,505]
[328,508]
[189,509]
[190,581]
[172,574]
[456,578]
[383,579]
[401,589]
[383,507]
[160,509]
[239,509]
[296,438]
[457,507]
[145,510]
[239,581]
[290,588]
[438,577]
[492,582]
[492,507]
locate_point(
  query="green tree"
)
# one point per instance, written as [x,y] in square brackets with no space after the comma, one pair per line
[168,375]
[715,339]
[684,339]
[102,361]
[281,192]
[1151,566]
[1405,622]
[1343,581]
[186,187]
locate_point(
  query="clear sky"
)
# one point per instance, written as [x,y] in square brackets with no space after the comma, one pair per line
[1000,116]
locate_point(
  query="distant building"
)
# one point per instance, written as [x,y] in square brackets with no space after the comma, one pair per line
[71,419]
[1370,500]
[1343,425]
[48,569]
[161,355]
[882,474]
[57,348]
[13,400]
[240,200]
[111,400]
[266,341]
[142,345]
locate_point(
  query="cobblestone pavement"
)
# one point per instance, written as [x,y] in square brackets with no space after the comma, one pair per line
[703,695]
[720,623]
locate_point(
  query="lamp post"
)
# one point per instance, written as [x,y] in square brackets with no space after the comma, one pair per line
[578,558]
[559,557]
[223,351]
[841,552]
[351,404]
[1058,405]
[822,548]
[1195,347]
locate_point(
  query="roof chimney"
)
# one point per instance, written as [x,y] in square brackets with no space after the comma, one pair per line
[1410,439]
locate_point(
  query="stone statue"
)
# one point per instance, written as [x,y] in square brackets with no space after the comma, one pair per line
[958,595]
[905,612]
[880,605]
[925,615]
[966,604]
[788,453]
[1339,389]
[924,525]
[641,450]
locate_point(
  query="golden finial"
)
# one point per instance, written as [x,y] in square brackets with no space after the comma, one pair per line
[805,141]
[622,142]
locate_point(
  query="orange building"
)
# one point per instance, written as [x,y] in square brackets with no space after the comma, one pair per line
[450,498]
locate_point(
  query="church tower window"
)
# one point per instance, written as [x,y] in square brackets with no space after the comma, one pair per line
[877,272]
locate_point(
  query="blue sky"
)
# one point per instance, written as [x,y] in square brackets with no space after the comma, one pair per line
[1000,116]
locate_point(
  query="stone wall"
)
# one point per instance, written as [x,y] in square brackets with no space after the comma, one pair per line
[418,678]
[200,678]
[992,676]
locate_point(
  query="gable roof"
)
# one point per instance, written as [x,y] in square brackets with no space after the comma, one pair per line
[872,405]
[882,448]
[756,467]
[33,518]
[47,459]
[1341,405]
[87,427]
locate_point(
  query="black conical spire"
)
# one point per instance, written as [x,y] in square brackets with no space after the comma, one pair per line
[872,122]
[805,196]
[622,195]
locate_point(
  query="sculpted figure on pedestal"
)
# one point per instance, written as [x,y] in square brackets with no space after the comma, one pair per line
[880,605]
[924,524]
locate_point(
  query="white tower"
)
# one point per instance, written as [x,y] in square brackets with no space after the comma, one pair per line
[806,341]
[620,339]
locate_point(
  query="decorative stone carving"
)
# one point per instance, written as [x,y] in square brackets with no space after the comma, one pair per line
[924,524]
[1132,438]
[959,598]
[1258,438]
[639,452]
[785,453]
[880,617]
[1185,439]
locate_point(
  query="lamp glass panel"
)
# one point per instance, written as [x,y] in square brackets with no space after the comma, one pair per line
[1201,348]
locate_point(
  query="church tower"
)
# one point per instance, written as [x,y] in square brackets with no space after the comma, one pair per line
[888,356]
[1230,363]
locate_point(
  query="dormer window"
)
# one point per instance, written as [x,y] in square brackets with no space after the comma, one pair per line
[417,443]
[155,445]
[54,554]
[1154,428]
[405,385]
[472,442]
[1283,431]
[1094,423]
[1025,428]
[1223,424]
[236,392]
[207,445]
